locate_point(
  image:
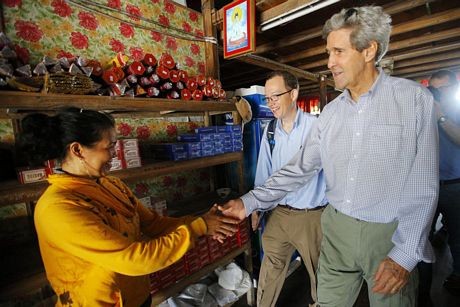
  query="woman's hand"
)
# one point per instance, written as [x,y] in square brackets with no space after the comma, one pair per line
[220,226]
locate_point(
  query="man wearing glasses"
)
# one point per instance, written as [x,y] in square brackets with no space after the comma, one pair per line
[294,223]
[377,144]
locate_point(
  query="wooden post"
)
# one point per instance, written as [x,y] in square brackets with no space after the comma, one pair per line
[322,92]
[212,57]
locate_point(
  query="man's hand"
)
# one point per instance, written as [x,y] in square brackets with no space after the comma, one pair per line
[234,208]
[390,277]
[220,226]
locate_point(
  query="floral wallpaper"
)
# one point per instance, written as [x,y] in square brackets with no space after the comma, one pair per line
[102,28]
[175,186]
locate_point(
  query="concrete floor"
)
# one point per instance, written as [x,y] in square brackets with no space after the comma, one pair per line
[295,291]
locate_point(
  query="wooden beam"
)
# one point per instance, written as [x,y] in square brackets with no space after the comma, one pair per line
[423,51]
[427,59]
[273,65]
[426,74]
[316,32]
[432,66]
[426,21]
[410,42]
[212,57]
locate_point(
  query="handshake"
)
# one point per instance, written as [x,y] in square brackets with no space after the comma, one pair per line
[222,220]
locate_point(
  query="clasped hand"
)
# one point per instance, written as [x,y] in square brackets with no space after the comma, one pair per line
[220,226]
[390,277]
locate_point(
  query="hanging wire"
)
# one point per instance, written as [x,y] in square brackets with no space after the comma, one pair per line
[96,7]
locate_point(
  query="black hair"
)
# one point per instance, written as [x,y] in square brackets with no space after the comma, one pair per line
[45,137]
[290,81]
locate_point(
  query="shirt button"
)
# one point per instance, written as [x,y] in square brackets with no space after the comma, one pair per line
[358,133]
[355,156]
[352,178]
[348,201]
[360,111]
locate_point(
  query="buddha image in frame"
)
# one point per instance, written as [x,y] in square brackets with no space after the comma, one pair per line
[237,24]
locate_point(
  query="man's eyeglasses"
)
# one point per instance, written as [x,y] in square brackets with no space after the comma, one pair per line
[274,98]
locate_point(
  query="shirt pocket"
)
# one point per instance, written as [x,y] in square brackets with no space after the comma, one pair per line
[385,141]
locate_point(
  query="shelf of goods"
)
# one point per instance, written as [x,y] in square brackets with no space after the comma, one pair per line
[12,192]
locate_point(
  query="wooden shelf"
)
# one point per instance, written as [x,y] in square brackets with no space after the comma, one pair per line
[164,294]
[14,192]
[48,102]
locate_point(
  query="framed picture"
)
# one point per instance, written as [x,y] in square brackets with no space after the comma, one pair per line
[239,25]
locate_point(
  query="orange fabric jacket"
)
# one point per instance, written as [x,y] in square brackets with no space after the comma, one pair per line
[92,241]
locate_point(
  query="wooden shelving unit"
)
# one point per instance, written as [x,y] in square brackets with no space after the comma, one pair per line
[13,192]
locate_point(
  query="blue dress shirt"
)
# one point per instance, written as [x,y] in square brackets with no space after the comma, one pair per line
[287,145]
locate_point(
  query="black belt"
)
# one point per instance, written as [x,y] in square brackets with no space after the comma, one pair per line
[451,181]
[306,209]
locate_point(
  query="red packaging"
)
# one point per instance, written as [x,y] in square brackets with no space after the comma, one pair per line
[149,59]
[109,77]
[97,67]
[162,72]
[174,76]
[29,175]
[201,80]
[183,75]
[215,92]
[210,81]
[191,84]
[207,91]
[218,83]
[167,61]
[185,94]
[118,72]
[222,94]
[136,68]
[197,95]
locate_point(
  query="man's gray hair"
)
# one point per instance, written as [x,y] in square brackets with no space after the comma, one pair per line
[368,23]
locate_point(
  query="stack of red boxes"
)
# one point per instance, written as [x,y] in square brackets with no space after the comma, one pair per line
[206,251]
[35,174]
[127,155]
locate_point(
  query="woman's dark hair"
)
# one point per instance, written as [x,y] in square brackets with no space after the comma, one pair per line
[46,137]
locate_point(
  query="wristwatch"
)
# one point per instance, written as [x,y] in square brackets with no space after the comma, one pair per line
[442,119]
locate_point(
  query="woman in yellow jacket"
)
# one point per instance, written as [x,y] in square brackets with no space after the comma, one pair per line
[97,241]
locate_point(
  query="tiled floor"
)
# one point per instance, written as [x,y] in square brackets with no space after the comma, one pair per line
[296,287]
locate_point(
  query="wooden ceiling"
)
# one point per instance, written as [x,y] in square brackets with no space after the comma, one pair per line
[425,37]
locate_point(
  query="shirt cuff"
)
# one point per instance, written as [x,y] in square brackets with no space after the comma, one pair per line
[402,259]
[198,227]
[249,202]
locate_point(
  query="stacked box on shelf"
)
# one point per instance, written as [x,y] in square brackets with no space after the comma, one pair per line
[127,155]
[236,136]
[192,261]
[168,275]
[214,250]
[243,233]
[202,247]
[169,151]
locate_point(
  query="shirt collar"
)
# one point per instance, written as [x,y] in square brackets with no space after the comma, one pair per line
[380,80]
